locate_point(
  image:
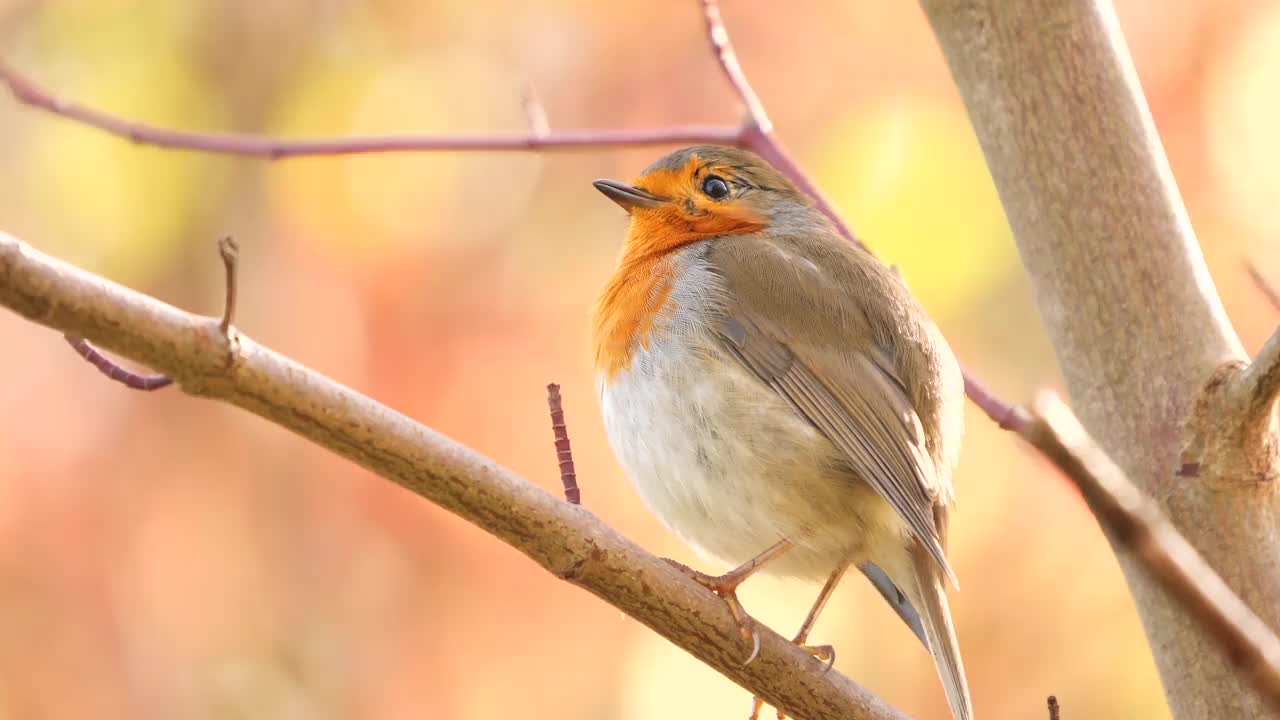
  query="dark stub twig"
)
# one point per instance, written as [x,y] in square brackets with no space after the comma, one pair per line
[1053,708]
[229,251]
[115,372]
[564,454]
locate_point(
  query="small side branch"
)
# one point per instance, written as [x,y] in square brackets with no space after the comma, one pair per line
[114,371]
[29,93]
[1257,387]
[229,251]
[1254,390]
[564,453]
[1135,523]
[727,59]
[1004,415]
[1264,286]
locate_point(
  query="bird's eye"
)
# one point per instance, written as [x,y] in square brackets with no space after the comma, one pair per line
[715,188]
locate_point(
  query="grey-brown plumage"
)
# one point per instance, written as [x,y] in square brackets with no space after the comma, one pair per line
[789,387]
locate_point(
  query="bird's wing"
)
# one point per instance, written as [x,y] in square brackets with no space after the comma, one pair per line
[784,321]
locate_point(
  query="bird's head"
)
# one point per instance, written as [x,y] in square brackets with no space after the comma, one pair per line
[703,192]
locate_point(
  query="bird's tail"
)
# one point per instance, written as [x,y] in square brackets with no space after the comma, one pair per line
[930,599]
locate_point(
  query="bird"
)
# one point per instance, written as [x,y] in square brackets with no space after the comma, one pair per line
[778,397]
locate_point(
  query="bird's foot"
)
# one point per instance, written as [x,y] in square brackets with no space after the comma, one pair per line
[821,652]
[726,586]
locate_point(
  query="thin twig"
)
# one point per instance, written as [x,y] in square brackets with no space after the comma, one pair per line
[564,538]
[534,111]
[757,132]
[758,136]
[229,251]
[727,59]
[1134,522]
[114,371]
[29,93]
[1264,286]
[1005,416]
[564,453]
[1054,713]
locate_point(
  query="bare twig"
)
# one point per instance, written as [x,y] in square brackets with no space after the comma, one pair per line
[564,453]
[755,134]
[1004,415]
[29,93]
[728,61]
[229,250]
[758,136]
[534,111]
[1054,713]
[1264,286]
[564,538]
[114,371]
[1256,387]
[1135,523]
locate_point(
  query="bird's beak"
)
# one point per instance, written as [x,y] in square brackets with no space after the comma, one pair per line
[628,196]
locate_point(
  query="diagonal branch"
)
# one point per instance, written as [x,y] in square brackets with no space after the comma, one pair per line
[1264,286]
[1256,388]
[1135,523]
[564,538]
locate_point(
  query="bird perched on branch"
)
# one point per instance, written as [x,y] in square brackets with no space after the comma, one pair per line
[777,396]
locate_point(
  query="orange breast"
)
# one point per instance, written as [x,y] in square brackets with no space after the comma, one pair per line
[625,316]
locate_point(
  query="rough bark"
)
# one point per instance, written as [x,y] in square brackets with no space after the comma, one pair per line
[1152,366]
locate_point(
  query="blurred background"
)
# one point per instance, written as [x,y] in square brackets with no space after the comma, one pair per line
[165,557]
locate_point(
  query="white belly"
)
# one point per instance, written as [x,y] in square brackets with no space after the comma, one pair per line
[730,466]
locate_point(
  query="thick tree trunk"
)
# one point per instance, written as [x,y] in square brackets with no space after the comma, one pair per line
[1134,318]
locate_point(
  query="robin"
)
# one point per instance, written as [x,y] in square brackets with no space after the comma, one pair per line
[777,396]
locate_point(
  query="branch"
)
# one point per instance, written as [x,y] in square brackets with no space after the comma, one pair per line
[1137,525]
[1264,286]
[566,539]
[564,452]
[1127,301]
[1255,390]
[28,92]
[755,134]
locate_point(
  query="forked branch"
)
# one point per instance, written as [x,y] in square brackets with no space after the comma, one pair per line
[1136,524]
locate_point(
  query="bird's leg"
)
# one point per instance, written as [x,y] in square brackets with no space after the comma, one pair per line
[726,586]
[821,652]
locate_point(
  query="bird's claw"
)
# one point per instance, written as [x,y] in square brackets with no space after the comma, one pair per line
[726,587]
[826,653]
[821,652]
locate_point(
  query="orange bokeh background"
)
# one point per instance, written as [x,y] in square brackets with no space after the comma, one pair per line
[165,557]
